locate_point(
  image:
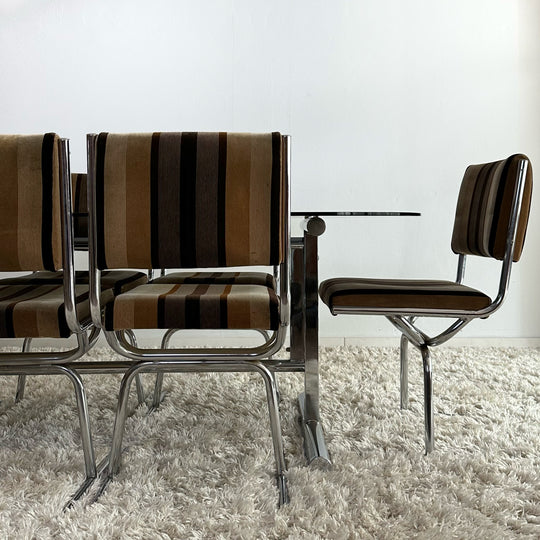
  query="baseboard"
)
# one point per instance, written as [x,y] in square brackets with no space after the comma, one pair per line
[152,339]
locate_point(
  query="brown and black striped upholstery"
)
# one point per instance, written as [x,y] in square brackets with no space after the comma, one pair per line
[192,200]
[30,220]
[401,294]
[33,305]
[194,306]
[189,200]
[484,206]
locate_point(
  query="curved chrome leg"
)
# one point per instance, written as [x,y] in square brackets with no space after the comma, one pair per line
[159,395]
[21,380]
[428,399]
[275,426]
[404,372]
[120,421]
[138,381]
[86,436]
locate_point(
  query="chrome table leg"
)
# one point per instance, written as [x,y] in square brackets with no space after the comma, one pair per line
[314,443]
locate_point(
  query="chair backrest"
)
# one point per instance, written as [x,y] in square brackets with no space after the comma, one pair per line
[484,208]
[30,210]
[189,200]
[80,206]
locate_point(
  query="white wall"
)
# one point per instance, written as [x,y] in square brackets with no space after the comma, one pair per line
[386,101]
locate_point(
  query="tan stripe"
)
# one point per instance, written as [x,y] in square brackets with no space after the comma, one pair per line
[115,202]
[260,199]
[38,316]
[29,202]
[138,200]
[238,309]
[237,198]
[9,256]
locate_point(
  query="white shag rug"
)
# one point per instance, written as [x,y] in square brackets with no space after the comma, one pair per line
[202,466]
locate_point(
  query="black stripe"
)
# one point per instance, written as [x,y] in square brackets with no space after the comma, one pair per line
[223,311]
[47,152]
[386,292]
[99,190]
[274,315]
[275,209]
[154,201]
[188,178]
[222,200]
[498,205]
[161,322]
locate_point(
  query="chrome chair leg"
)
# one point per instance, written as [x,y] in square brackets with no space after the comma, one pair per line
[86,436]
[138,381]
[428,398]
[404,372]
[21,380]
[277,439]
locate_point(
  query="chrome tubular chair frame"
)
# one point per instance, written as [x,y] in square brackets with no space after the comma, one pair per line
[413,334]
[170,360]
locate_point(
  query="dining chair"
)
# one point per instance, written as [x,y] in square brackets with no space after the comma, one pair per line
[46,298]
[490,221]
[183,201]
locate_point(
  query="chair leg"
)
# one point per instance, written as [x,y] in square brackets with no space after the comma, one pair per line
[21,380]
[277,439]
[159,395]
[428,398]
[141,398]
[404,372]
[86,436]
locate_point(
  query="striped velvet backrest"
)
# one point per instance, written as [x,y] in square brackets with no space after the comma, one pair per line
[484,208]
[80,204]
[30,221]
[189,200]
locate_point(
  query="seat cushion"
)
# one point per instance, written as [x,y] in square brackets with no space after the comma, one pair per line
[33,305]
[200,306]
[220,278]
[401,294]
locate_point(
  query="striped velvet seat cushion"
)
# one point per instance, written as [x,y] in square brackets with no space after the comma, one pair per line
[33,305]
[406,295]
[220,278]
[194,306]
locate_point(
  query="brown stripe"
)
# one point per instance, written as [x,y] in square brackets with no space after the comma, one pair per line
[237,220]
[114,203]
[138,161]
[29,202]
[9,245]
[260,199]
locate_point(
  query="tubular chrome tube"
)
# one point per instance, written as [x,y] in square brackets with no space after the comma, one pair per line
[119,344]
[462,259]
[94,273]
[284,267]
[68,263]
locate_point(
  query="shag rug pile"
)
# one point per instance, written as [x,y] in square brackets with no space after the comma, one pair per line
[202,465]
